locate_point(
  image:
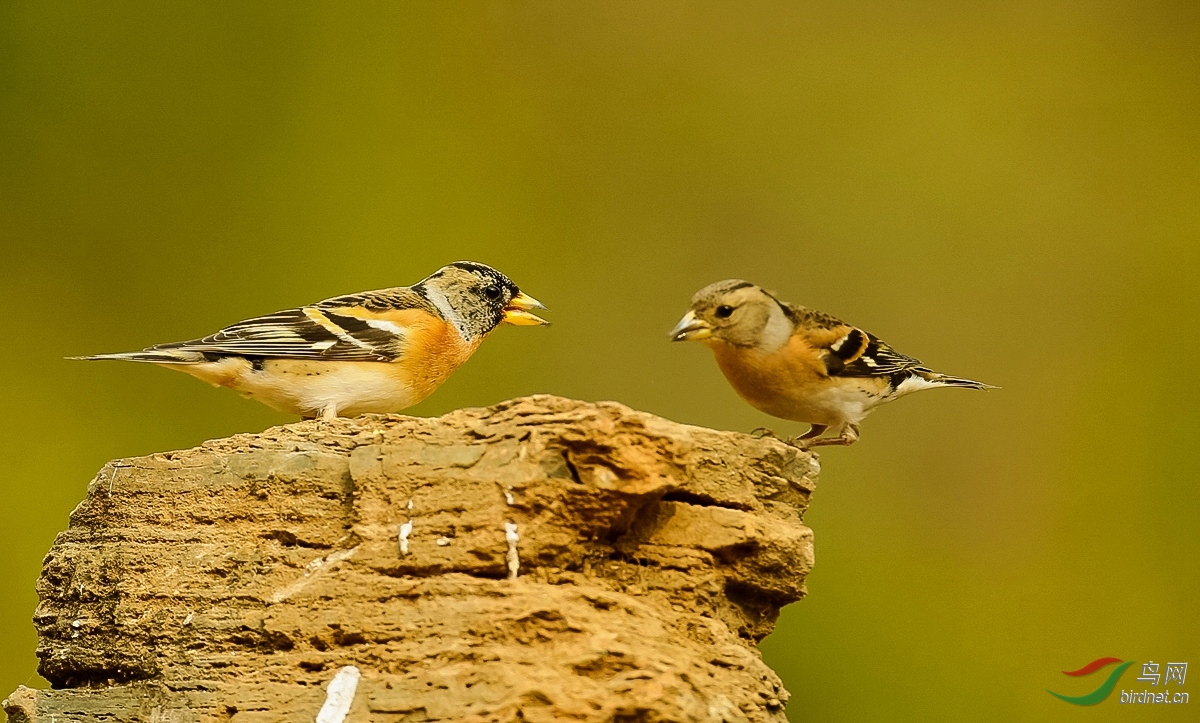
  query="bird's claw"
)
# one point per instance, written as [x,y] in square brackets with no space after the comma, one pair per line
[799,442]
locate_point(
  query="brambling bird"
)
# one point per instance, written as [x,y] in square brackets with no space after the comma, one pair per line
[800,364]
[376,351]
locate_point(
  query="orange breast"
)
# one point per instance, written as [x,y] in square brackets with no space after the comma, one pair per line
[433,350]
[775,382]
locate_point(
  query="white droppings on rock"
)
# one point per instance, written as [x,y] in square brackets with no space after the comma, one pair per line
[309,571]
[442,541]
[340,695]
[190,617]
[76,624]
[116,470]
[514,560]
[405,531]
[508,495]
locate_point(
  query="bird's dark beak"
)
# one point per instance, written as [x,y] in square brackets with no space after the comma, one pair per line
[690,328]
[517,311]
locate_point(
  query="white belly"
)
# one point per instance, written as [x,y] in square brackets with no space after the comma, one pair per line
[835,405]
[312,388]
[849,399]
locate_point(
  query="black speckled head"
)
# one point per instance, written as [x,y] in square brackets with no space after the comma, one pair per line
[476,298]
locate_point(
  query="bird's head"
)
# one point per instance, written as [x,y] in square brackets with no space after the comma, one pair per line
[734,312]
[477,298]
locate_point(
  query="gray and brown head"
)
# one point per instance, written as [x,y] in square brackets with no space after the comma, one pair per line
[735,312]
[477,298]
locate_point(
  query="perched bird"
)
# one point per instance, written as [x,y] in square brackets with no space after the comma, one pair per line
[376,351]
[800,364]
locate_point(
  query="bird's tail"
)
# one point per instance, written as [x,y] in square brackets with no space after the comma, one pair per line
[152,356]
[946,380]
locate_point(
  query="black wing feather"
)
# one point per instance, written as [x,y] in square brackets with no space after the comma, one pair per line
[877,360]
[294,334]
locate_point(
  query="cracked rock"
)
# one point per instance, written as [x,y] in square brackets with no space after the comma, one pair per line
[235,580]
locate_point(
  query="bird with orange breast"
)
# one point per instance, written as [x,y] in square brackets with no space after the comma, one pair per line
[800,364]
[375,351]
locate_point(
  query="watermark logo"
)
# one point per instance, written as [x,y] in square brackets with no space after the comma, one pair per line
[1099,694]
[1172,673]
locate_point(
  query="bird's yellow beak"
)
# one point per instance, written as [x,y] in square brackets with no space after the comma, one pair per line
[517,311]
[690,328]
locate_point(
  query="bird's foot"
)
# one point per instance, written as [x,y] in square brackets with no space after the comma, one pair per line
[801,442]
[848,437]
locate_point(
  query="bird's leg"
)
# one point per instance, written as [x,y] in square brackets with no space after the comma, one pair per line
[848,437]
[329,413]
[814,431]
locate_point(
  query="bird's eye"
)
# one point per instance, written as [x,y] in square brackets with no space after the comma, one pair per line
[492,292]
[724,311]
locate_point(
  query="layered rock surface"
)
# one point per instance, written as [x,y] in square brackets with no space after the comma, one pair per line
[540,560]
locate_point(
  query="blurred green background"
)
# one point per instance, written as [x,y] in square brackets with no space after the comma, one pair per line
[1008,191]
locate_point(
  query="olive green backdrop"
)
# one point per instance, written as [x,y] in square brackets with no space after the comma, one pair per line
[1008,191]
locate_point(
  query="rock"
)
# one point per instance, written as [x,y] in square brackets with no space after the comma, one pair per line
[540,560]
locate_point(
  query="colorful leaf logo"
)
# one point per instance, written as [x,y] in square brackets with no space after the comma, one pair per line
[1105,688]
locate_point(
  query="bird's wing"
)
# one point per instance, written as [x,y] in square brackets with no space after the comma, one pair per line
[371,326]
[856,353]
